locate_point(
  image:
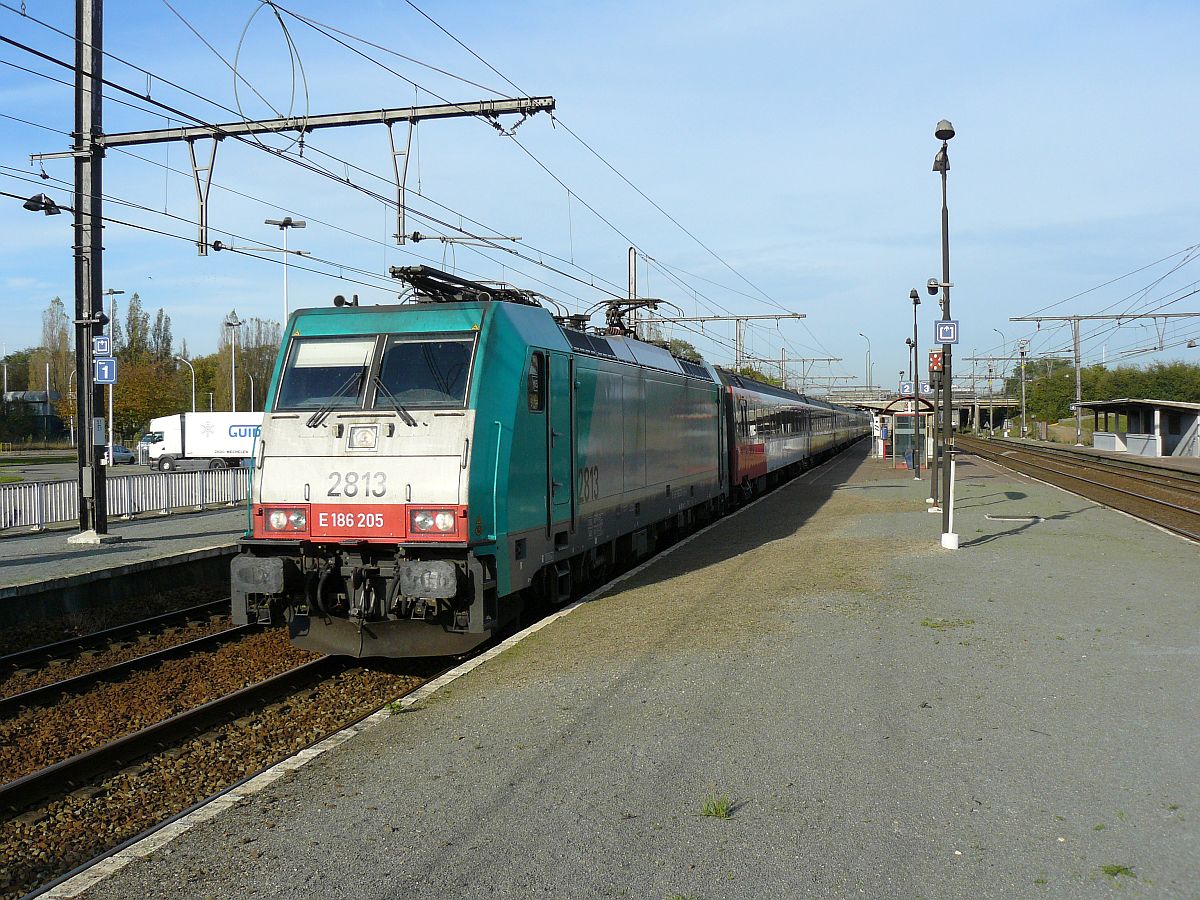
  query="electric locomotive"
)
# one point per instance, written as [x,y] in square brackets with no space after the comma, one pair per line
[425,469]
[421,467]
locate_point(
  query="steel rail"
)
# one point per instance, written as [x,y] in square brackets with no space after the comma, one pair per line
[48,693]
[1187,481]
[73,773]
[183,813]
[65,647]
[1005,457]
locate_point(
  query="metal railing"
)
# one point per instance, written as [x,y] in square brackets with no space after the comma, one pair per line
[34,505]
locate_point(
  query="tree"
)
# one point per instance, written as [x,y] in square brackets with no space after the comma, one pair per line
[160,338]
[258,343]
[684,350]
[135,342]
[56,351]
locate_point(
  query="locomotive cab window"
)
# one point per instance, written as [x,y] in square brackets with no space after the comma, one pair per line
[425,370]
[325,372]
[536,382]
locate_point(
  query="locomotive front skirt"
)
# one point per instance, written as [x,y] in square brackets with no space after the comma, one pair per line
[425,470]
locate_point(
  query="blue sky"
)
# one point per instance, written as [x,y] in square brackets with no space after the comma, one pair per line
[793,139]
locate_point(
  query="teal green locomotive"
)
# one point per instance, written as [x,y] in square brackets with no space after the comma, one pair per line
[426,470]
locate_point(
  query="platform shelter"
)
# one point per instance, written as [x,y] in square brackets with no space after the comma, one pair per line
[1152,427]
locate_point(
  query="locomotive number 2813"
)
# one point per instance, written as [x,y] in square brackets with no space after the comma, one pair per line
[352,484]
[589,484]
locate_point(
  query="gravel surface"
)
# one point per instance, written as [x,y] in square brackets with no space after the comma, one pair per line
[26,635]
[887,719]
[94,659]
[45,842]
[40,736]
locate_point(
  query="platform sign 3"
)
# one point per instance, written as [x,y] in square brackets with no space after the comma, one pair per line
[926,387]
[945,331]
[104,370]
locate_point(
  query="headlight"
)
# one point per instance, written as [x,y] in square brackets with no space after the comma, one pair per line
[288,518]
[433,521]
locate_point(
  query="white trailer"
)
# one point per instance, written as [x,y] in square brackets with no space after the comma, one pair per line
[214,440]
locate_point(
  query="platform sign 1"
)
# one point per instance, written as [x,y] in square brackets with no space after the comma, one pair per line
[104,370]
[906,387]
[945,331]
[101,346]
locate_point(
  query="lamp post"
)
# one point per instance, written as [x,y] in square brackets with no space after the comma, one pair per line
[917,448]
[190,366]
[284,224]
[232,322]
[944,131]
[1022,346]
[868,371]
[251,377]
[1003,352]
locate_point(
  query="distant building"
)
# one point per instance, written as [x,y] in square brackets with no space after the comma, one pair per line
[40,405]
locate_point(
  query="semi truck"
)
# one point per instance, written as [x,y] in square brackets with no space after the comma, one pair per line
[209,440]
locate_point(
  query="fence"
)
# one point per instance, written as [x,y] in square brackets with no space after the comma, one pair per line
[37,504]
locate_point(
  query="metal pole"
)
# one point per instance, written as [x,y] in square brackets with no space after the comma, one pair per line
[112,317]
[1024,424]
[89,57]
[285,230]
[918,418]
[251,377]
[1078,388]
[991,405]
[945,131]
[189,365]
[232,368]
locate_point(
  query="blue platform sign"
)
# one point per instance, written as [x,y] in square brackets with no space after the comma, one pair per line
[926,387]
[104,370]
[906,387]
[101,346]
[945,331]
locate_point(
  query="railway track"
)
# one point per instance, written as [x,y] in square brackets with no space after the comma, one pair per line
[1165,497]
[96,643]
[59,815]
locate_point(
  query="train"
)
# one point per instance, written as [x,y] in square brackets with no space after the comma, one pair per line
[426,470]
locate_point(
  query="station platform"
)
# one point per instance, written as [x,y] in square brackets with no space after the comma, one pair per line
[43,570]
[882,718]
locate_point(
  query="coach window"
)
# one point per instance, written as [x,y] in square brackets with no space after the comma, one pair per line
[536,384]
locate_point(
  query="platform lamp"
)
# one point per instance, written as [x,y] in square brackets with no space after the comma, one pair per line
[232,322]
[944,132]
[284,224]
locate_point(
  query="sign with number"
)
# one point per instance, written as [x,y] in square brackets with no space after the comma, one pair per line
[101,345]
[935,360]
[906,387]
[104,370]
[926,387]
[945,331]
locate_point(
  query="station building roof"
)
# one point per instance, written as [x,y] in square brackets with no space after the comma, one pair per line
[1173,405]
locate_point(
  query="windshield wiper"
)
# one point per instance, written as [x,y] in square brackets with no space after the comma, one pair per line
[318,418]
[403,413]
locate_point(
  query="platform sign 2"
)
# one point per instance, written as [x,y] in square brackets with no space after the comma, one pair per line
[906,387]
[104,370]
